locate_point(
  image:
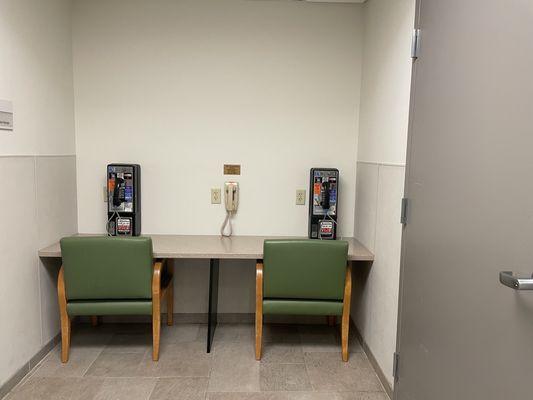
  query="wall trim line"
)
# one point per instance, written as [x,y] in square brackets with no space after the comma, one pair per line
[36,155]
[385,164]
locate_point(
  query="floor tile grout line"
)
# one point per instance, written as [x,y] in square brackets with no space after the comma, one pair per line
[307,372]
[153,389]
[91,364]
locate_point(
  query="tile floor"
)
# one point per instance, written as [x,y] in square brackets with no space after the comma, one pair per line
[113,362]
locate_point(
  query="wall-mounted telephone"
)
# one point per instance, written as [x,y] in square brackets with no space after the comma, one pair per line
[124,199]
[231,193]
[231,201]
[323,203]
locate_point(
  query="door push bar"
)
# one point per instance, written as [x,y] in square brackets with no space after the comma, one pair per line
[508,279]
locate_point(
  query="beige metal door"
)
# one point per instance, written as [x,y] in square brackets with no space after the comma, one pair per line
[462,334]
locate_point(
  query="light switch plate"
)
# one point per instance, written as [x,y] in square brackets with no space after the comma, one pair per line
[300,197]
[216,196]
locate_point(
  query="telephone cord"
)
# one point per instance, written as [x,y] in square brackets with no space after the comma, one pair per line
[108,221]
[327,216]
[227,222]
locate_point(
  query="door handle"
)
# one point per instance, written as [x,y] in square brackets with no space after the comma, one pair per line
[508,279]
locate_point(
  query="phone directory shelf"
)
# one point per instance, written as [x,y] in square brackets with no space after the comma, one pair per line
[216,248]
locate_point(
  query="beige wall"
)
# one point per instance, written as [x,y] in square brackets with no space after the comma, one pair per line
[375,299]
[37,171]
[183,87]
[386,82]
[385,92]
[36,75]
[186,86]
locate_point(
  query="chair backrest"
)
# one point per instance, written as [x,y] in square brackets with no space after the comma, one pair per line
[304,269]
[101,267]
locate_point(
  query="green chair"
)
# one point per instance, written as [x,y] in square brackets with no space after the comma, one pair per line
[303,277]
[104,275]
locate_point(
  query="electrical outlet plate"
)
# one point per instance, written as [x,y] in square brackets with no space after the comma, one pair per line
[216,196]
[300,197]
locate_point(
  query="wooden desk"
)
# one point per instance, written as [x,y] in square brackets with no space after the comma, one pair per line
[211,246]
[216,248]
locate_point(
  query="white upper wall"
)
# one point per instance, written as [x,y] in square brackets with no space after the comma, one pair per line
[386,81]
[36,75]
[182,87]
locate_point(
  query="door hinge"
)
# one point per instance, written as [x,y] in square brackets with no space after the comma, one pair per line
[403,215]
[395,366]
[415,44]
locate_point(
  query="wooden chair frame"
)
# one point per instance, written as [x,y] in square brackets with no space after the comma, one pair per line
[345,324]
[158,293]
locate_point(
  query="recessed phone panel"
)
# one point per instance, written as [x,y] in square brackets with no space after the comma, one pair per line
[323,203]
[123,199]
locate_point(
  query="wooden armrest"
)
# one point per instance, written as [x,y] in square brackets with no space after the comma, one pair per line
[259,278]
[158,285]
[259,284]
[61,292]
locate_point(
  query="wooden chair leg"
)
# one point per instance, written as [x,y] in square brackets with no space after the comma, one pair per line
[65,340]
[156,332]
[94,320]
[69,336]
[170,303]
[346,311]
[65,320]
[258,310]
[156,309]
[170,294]
[258,334]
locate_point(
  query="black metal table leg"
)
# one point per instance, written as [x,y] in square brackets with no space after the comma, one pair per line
[212,313]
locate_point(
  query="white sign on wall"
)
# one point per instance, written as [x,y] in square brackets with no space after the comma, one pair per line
[6,115]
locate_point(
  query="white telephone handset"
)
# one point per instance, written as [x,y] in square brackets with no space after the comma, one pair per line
[231,201]
[231,191]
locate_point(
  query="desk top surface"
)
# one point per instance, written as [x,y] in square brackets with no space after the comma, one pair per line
[211,246]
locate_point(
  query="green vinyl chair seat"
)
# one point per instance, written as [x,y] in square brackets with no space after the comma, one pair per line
[109,307]
[301,307]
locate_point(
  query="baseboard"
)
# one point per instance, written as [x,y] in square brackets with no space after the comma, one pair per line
[14,380]
[373,361]
[18,376]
